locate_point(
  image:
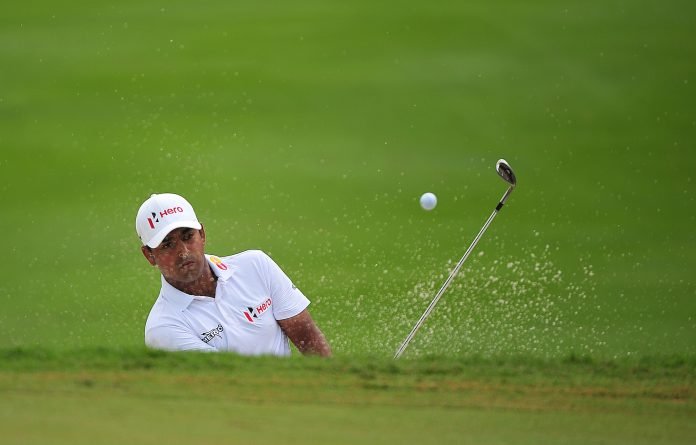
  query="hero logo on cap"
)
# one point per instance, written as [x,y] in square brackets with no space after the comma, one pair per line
[150,220]
[161,214]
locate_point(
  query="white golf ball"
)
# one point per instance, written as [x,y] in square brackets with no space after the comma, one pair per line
[428,201]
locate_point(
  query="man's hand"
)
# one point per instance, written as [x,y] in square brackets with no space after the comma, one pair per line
[304,333]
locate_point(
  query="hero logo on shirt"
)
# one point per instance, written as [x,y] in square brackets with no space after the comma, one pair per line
[211,334]
[252,313]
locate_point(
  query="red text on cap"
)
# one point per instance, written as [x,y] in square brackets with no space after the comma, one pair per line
[171,211]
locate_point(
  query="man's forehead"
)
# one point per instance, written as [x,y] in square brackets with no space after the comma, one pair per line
[177,233]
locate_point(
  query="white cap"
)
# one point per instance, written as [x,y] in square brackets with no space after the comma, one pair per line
[161,214]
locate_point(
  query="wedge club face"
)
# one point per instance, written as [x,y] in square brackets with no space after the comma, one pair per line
[505,172]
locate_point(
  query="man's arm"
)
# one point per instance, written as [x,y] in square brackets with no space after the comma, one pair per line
[305,334]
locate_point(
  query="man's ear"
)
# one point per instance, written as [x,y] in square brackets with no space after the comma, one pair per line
[202,233]
[147,253]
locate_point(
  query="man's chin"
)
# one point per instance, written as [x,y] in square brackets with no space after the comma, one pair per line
[190,276]
[186,274]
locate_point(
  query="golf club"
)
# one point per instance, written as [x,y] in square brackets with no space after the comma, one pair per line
[505,172]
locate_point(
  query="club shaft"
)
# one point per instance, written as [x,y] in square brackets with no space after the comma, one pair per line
[451,276]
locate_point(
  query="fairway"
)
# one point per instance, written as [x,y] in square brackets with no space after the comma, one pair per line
[309,130]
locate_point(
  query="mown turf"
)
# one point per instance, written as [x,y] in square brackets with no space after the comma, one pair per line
[143,396]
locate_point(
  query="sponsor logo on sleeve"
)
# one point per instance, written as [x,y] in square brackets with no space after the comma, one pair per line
[211,334]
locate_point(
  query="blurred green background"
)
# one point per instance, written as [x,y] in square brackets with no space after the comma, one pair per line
[310,129]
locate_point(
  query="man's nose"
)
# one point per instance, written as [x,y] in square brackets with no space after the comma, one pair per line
[182,250]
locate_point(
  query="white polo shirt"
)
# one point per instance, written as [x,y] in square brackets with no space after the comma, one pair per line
[252,293]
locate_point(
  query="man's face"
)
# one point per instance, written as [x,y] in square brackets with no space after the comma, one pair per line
[180,256]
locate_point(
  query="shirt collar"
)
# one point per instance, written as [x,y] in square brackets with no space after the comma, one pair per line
[182,300]
[219,267]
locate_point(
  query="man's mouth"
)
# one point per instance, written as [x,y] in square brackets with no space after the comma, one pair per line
[187,264]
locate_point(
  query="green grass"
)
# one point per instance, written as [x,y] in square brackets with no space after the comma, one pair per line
[309,130]
[574,400]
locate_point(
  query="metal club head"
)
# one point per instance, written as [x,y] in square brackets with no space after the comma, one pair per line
[505,172]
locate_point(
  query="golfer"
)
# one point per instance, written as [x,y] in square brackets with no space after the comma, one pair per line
[242,303]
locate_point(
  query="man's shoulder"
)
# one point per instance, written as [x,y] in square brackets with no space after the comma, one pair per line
[247,255]
[245,258]
[163,312]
